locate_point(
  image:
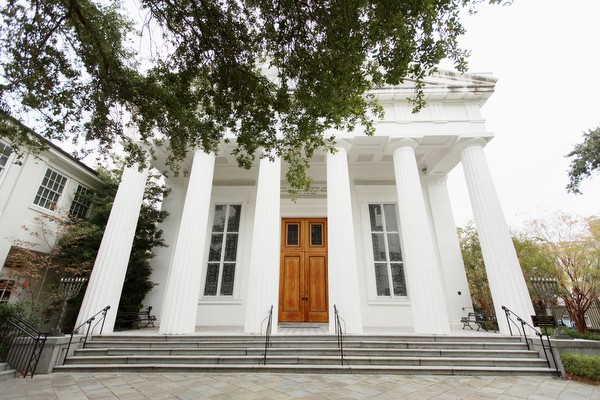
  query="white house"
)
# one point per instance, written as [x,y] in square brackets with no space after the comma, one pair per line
[33,185]
[375,236]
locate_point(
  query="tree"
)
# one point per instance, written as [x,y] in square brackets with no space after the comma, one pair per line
[574,244]
[38,263]
[277,75]
[534,259]
[586,161]
[148,236]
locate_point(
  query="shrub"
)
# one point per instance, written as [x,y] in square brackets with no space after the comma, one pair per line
[582,365]
[589,335]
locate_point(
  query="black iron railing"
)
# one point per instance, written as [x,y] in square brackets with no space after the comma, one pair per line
[510,319]
[89,328]
[21,344]
[269,321]
[339,332]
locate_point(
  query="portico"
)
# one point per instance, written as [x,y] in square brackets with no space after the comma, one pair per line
[375,235]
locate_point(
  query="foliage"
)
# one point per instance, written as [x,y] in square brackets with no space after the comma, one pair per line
[586,159]
[277,76]
[574,333]
[29,310]
[574,245]
[582,365]
[475,270]
[36,264]
[535,261]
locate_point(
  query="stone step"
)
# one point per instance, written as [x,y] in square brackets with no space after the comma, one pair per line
[309,360]
[308,368]
[307,338]
[482,355]
[6,372]
[494,345]
[258,351]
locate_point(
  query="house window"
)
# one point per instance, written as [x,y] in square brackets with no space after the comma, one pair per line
[50,190]
[6,288]
[222,254]
[81,204]
[387,254]
[5,152]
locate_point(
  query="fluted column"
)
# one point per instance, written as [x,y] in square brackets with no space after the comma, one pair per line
[106,282]
[505,277]
[180,305]
[425,288]
[342,267]
[263,282]
[458,295]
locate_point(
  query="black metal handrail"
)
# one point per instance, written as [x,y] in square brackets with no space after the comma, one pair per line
[269,320]
[339,331]
[89,328]
[21,344]
[509,314]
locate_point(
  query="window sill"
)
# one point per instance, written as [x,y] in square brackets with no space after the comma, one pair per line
[221,301]
[403,301]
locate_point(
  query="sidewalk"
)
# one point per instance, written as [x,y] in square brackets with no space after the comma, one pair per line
[289,386]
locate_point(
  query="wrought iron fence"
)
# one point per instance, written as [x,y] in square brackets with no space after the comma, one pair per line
[21,344]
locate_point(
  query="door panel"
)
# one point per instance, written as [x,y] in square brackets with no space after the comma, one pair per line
[303,277]
[291,307]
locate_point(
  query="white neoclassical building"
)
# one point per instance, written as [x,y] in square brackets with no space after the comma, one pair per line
[375,236]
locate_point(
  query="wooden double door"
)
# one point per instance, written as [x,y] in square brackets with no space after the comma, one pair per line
[303,275]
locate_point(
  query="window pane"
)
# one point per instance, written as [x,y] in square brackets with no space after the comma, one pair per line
[233,225]
[391,223]
[227,280]
[394,247]
[216,244]
[316,234]
[231,247]
[381,277]
[293,236]
[5,151]
[50,190]
[378,247]
[219,221]
[398,280]
[375,217]
[212,278]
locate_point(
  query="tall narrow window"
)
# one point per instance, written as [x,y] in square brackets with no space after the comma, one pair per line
[5,152]
[222,254]
[387,255]
[50,190]
[81,203]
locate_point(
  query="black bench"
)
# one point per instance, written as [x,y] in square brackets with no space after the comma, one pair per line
[133,319]
[474,318]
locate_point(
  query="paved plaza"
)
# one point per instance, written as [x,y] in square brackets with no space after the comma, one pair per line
[289,386]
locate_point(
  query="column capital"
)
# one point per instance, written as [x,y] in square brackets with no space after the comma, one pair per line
[477,141]
[396,143]
[343,144]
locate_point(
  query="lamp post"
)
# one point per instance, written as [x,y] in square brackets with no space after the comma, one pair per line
[547,288]
[67,289]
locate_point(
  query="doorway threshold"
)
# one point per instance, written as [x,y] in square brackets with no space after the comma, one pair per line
[302,328]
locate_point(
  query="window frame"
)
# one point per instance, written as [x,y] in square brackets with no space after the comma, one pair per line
[222,195]
[61,197]
[9,286]
[9,161]
[74,200]
[378,194]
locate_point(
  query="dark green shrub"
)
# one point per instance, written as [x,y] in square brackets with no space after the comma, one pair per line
[582,365]
[589,335]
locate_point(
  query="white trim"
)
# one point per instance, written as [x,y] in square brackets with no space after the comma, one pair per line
[371,194]
[231,196]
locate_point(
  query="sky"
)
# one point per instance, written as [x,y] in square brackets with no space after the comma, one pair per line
[546,56]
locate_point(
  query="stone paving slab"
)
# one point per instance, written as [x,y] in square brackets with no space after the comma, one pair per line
[248,386]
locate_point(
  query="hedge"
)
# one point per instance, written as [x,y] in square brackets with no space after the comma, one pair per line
[582,365]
